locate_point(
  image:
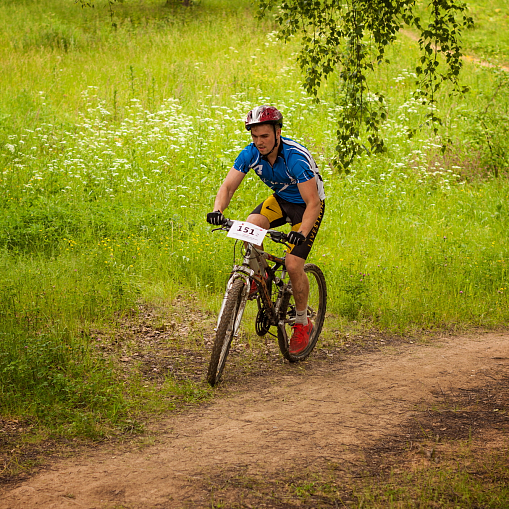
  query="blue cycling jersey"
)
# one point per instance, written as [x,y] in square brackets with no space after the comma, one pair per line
[294,165]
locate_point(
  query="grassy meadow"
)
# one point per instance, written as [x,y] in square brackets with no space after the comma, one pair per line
[115,133]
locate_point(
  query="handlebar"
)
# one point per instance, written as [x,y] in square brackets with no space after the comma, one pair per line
[275,235]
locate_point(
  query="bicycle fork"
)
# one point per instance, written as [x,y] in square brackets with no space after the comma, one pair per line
[246,271]
[243,301]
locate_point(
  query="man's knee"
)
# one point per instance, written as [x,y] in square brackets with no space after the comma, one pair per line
[259,220]
[294,264]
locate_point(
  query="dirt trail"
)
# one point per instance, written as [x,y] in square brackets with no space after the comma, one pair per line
[331,412]
[467,58]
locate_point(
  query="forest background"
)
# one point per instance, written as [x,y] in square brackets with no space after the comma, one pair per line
[117,125]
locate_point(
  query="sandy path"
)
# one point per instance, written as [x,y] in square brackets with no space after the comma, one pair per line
[330,413]
[466,58]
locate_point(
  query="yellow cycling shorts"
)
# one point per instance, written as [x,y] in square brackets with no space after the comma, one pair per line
[280,212]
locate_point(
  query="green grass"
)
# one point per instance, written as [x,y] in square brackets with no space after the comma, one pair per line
[486,40]
[463,478]
[115,134]
[442,488]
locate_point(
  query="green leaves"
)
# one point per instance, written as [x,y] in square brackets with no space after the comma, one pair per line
[351,38]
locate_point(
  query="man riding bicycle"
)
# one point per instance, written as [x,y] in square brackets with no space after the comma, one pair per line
[291,172]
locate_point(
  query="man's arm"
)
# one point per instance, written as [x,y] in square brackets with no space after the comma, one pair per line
[228,188]
[309,194]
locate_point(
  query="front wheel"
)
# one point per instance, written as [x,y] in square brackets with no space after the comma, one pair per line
[225,332]
[317,303]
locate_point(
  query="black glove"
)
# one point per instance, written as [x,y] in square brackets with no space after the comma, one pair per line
[216,218]
[296,238]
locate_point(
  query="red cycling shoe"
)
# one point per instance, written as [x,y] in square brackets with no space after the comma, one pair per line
[300,337]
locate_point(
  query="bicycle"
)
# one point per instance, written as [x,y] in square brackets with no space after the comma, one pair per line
[274,297]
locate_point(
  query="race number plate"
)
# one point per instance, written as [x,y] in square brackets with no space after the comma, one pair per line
[248,232]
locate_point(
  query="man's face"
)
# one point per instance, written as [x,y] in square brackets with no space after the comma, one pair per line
[263,137]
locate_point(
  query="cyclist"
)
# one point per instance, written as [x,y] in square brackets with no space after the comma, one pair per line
[290,171]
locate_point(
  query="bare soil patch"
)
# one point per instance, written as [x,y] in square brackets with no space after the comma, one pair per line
[308,435]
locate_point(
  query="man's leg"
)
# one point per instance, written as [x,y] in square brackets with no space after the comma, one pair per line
[300,281]
[295,262]
[267,213]
[300,287]
[259,220]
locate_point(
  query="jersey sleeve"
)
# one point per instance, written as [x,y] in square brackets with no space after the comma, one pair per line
[244,161]
[303,168]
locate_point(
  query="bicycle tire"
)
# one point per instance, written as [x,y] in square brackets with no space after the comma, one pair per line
[224,333]
[317,306]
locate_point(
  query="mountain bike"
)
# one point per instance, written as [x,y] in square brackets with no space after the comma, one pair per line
[263,277]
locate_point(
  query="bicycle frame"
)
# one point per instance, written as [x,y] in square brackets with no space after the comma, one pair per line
[254,279]
[253,267]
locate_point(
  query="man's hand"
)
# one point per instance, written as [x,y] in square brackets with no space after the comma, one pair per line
[296,238]
[216,218]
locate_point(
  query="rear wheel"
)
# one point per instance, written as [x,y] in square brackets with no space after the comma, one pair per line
[317,303]
[225,331]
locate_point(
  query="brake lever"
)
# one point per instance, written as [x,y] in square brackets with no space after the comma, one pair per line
[225,226]
[284,242]
[280,238]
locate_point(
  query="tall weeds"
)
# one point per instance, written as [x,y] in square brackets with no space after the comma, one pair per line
[114,137]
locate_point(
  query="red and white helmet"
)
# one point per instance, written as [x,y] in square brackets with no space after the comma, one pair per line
[264,115]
